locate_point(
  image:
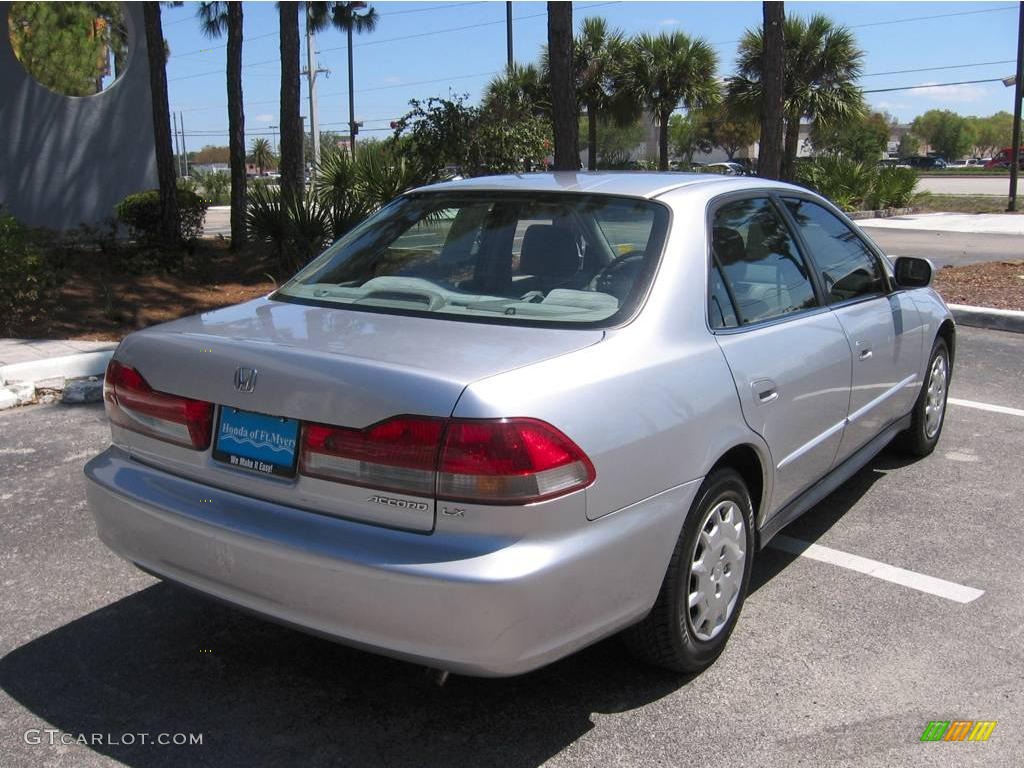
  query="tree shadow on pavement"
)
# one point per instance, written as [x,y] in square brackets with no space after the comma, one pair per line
[164,660]
[820,518]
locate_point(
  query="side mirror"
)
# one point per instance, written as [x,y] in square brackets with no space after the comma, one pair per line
[913,272]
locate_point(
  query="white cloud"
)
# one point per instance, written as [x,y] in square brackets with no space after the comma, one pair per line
[961,93]
[669,23]
[890,105]
[264,118]
[392,80]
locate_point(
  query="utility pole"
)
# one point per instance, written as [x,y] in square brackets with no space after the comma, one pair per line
[177,153]
[508,32]
[353,127]
[311,72]
[1018,95]
[273,138]
[184,149]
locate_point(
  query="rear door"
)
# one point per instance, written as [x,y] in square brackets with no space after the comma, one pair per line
[787,352]
[883,327]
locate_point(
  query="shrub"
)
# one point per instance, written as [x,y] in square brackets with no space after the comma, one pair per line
[23,270]
[216,186]
[894,188]
[853,185]
[140,212]
[298,229]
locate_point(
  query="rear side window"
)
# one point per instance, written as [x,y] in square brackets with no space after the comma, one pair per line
[848,269]
[758,267]
[517,258]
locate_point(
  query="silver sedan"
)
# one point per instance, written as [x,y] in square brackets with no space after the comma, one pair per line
[506,417]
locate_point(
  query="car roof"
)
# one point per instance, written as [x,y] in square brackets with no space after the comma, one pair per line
[647,184]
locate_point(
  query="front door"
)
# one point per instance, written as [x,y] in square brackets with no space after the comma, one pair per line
[884,329]
[788,355]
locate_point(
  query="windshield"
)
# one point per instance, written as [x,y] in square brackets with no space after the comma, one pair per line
[523,258]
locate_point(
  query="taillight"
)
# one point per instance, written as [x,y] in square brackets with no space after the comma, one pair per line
[133,404]
[493,461]
[399,454]
[509,461]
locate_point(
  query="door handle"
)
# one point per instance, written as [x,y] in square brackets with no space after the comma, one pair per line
[765,390]
[864,349]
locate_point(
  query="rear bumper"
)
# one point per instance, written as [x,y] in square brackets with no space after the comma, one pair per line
[470,604]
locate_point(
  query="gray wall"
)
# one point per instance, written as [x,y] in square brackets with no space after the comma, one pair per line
[66,160]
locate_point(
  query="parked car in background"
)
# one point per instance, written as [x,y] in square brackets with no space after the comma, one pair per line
[1004,157]
[508,416]
[729,168]
[925,163]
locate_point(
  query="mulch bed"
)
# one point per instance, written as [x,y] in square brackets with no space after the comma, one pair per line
[998,284]
[105,303]
[101,301]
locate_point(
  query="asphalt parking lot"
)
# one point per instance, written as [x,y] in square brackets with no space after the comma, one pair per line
[828,666]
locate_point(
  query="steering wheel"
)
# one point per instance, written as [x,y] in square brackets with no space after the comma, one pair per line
[618,276]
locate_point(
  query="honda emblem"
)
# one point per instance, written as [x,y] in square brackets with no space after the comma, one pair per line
[245,379]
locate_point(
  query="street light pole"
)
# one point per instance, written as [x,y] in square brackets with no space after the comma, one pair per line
[1017,96]
[508,33]
[311,73]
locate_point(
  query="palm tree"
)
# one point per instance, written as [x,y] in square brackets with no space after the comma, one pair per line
[350,17]
[292,175]
[564,113]
[261,154]
[769,155]
[598,51]
[216,19]
[156,53]
[669,71]
[520,90]
[822,64]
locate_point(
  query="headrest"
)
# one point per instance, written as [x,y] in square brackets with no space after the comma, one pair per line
[548,251]
[728,246]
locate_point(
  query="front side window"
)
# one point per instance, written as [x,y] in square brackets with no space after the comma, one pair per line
[847,267]
[758,272]
[521,258]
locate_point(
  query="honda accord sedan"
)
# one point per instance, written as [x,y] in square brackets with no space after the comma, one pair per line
[506,417]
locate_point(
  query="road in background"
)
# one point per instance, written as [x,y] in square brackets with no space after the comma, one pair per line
[952,248]
[965,185]
[827,666]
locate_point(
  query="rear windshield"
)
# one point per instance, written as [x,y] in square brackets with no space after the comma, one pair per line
[512,258]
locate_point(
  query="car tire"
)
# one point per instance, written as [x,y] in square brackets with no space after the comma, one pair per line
[929,414]
[688,639]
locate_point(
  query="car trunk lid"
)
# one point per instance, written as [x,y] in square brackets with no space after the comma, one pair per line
[331,366]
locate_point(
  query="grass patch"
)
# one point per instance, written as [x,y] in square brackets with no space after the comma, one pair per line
[972,172]
[931,203]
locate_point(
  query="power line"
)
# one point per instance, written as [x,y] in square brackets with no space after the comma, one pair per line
[457,29]
[430,8]
[358,90]
[934,85]
[935,69]
[394,39]
[993,9]
[274,33]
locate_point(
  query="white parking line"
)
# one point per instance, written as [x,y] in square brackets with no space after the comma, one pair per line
[987,407]
[929,584]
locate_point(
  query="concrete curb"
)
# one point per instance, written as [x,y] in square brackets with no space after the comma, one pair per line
[884,213]
[65,367]
[988,317]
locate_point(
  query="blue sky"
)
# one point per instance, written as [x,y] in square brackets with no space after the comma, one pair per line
[423,49]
